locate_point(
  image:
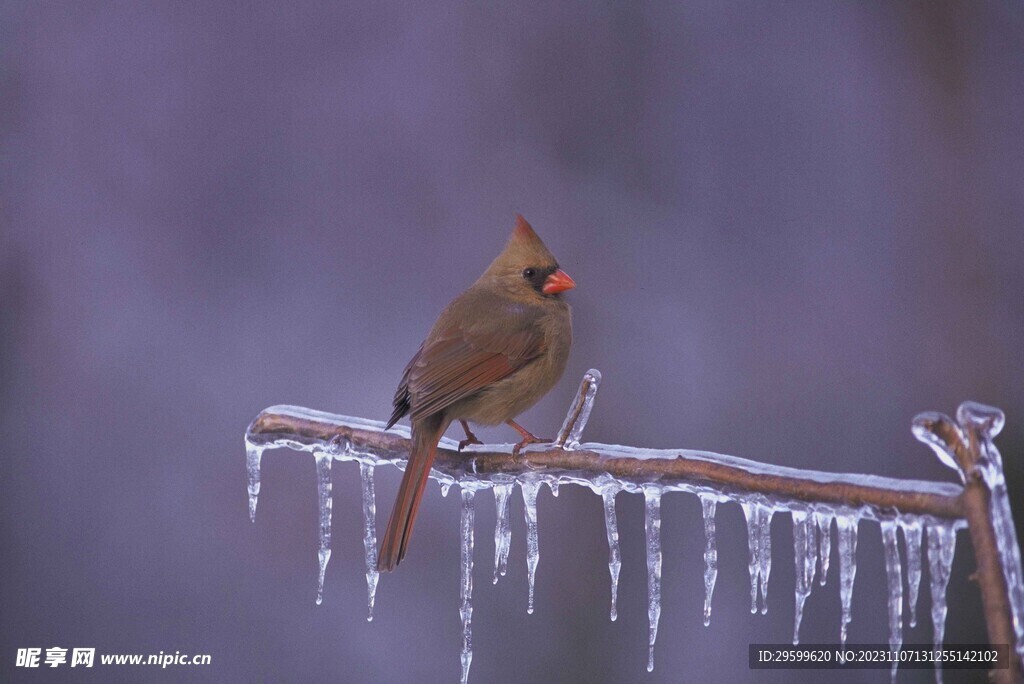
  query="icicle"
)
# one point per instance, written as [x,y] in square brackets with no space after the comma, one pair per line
[445,486]
[323,480]
[912,538]
[708,506]
[502,529]
[466,584]
[553,486]
[941,547]
[824,521]
[894,575]
[652,527]
[765,565]
[530,490]
[759,541]
[253,455]
[754,551]
[805,554]
[611,527]
[369,535]
[579,411]
[847,527]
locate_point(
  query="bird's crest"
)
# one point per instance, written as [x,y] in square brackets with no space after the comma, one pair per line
[524,248]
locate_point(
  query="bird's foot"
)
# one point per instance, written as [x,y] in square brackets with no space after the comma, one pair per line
[528,438]
[469,441]
[470,437]
[525,441]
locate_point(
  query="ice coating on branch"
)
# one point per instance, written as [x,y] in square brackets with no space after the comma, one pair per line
[708,506]
[805,555]
[253,454]
[941,547]
[1009,553]
[323,489]
[759,542]
[466,579]
[502,529]
[530,490]
[824,521]
[652,527]
[923,431]
[579,412]
[988,421]
[846,524]
[912,527]
[894,576]
[393,454]
[978,426]
[611,526]
[369,535]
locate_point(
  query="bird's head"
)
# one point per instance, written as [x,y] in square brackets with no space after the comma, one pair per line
[526,267]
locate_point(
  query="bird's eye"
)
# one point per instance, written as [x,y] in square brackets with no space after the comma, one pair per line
[529,273]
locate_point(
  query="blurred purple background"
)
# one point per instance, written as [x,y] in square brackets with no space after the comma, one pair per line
[793,227]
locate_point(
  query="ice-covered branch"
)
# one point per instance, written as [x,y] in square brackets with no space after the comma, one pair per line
[967,447]
[813,499]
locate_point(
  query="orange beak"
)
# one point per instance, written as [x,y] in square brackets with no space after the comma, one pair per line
[559,281]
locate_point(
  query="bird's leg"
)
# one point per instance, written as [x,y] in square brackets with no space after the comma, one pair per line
[470,437]
[528,437]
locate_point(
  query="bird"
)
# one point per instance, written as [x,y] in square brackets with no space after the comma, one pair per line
[494,351]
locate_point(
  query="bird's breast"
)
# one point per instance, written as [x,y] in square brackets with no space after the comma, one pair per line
[507,398]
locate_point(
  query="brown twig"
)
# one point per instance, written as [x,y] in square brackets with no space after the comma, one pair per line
[273,426]
[963,444]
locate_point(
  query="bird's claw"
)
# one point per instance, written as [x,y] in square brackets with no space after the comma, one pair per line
[463,443]
[470,437]
[527,440]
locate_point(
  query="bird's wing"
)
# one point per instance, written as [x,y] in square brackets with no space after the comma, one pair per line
[403,402]
[466,353]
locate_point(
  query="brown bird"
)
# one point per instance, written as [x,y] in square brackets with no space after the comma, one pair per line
[494,351]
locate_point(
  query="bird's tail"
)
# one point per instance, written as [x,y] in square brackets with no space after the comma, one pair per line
[425,436]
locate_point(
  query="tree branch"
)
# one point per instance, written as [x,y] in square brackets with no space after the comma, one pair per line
[601,466]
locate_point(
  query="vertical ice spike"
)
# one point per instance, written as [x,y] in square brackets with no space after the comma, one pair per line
[753,551]
[824,521]
[894,575]
[369,535]
[502,529]
[805,555]
[847,527]
[765,568]
[652,527]
[323,488]
[708,506]
[530,490]
[912,527]
[941,547]
[759,541]
[253,455]
[579,411]
[466,583]
[611,527]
